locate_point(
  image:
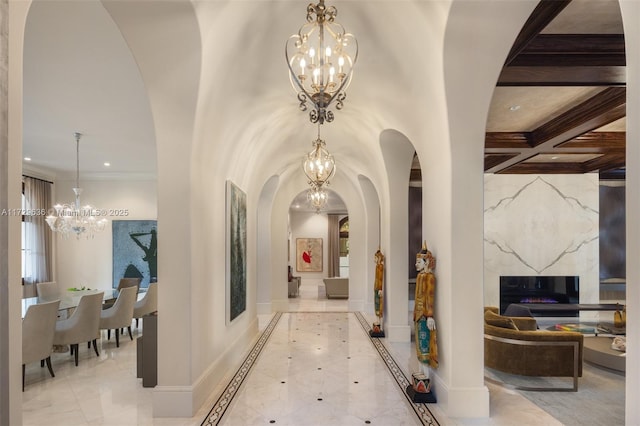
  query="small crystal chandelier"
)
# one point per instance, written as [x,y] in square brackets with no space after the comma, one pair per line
[74,218]
[319,165]
[320,59]
[317,197]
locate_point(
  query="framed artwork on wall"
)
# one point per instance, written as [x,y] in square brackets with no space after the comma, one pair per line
[236,245]
[309,254]
[135,250]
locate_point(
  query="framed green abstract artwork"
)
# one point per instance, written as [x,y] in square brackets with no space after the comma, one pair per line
[236,244]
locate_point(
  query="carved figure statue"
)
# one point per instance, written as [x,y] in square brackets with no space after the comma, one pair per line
[425,324]
[378,295]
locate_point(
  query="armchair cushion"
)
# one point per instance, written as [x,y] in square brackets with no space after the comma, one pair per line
[499,321]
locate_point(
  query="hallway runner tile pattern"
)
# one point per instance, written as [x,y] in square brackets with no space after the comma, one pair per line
[421,410]
[219,409]
[221,405]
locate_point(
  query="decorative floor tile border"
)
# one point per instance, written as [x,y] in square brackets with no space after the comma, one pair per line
[425,416]
[222,404]
[220,407]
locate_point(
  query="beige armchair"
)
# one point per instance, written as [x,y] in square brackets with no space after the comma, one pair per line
[38,327]
[82,325]
[337,287]
[121,314]
[148,304]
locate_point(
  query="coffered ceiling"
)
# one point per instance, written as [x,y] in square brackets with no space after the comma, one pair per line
[559,103]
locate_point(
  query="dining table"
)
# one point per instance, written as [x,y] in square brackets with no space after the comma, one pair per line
[70,299]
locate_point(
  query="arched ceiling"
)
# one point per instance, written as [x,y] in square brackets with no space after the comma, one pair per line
[79,75]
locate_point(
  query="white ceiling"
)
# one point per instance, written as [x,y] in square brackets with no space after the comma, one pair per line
[79,75]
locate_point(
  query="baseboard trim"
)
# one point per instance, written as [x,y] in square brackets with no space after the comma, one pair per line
[462,402]
[185,401]
[398,333]
[263,308]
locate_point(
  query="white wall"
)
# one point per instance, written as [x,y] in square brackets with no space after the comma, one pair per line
[88,262]
[541,225]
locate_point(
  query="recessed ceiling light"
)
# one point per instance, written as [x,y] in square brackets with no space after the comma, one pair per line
[514,107]
[27,158]
[555,157]
[107,164]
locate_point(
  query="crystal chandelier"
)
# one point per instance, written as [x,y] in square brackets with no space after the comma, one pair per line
[317,197]
[74,218]
[319,165]
[320,59]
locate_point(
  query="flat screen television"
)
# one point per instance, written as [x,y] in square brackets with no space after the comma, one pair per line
[539,289]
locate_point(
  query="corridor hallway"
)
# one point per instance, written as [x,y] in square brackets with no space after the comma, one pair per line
[105,390]
[318,366]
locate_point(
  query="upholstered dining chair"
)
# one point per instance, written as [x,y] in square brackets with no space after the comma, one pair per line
[48,291]
[124,283]
[38,328]
[148,304]
[120,314]
[129,282]
[82,326]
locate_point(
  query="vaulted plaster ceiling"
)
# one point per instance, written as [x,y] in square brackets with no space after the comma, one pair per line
[79,75]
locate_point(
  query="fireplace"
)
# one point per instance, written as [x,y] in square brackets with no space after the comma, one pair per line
[540,289]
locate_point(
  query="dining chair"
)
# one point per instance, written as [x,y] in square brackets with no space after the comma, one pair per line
[48,291]
[124,283]
[129,282]
[38,328]
[120,314]
[148,304]
[82,326]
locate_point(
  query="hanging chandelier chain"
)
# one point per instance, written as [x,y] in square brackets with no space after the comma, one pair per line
[78,135]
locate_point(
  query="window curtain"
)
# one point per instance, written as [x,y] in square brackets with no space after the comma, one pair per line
[334,245]
[37,234]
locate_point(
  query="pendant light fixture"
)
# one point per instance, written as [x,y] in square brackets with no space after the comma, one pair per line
[321,57]
[73,218]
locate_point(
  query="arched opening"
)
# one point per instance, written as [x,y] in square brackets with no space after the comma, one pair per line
[528,236]
[317,251]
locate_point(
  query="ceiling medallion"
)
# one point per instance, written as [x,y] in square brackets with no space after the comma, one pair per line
[320,59]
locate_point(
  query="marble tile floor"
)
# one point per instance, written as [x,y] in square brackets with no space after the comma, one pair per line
[105,391]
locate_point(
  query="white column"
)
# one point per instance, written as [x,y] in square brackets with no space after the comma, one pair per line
[631,19]
[398,156]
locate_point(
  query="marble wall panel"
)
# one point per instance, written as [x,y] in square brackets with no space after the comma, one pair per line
[541,225]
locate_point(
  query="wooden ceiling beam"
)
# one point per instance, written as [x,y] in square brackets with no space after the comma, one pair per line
[572,131]
[573,44]
[600,140]
[545,76]
[597,111]
[542,15]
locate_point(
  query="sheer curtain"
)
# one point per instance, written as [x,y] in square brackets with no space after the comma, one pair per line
[334,245]
[36,232]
